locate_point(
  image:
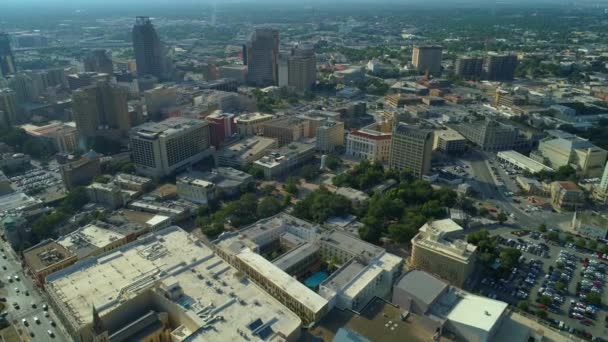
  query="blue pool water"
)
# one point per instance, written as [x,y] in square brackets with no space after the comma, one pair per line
[314,280]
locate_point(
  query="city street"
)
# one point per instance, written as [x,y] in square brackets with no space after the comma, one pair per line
[24,293]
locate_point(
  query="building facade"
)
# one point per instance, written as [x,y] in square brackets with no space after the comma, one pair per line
[330,136]
[468,67]
[427,58]
[411,149]
[372,142]
[8,108]
[262,57]
[251,124]
[302,68]
[7,59]
[566,196]
[98,61]
[499,67]
[195,190]
[149,55]
[160,149]
[286,129]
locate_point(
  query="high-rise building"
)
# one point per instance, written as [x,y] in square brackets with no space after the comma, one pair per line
[7,60]
[411,149]
[283,69]
[286,129]
[148,49]
[158,100]
[427,58]
[160,149]
[101,110]
[98,61]
[262,57]
[8,107]
[601,191]
[302,67]
[499,67]
[330,136]
[468,67]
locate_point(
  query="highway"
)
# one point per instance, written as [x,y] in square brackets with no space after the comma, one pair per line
[23,292]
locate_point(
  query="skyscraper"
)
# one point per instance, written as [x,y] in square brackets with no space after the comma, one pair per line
[411,149]
[98,61]
[262,57]
[7,60]
[468,67]
[499,67]
[101,110]
[8,107]
[427,58]
[148,49]
[302,67]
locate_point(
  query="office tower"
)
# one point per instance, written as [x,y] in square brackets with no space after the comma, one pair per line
[8,107]
[101,110]
[411,149]
[283,69]
[302,68]
[160,149]
[468,67]
[148,49]
[601,191]
[158,100]
[499,67]
[427,58]
[98,61]
[262,57]
[7,60]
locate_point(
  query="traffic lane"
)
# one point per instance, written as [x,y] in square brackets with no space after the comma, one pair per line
[25,299]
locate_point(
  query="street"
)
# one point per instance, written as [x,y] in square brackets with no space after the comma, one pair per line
[24,293]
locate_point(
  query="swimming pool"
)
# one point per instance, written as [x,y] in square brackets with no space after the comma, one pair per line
[314,280]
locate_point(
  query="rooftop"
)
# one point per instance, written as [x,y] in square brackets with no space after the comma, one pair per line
[171,257]
[423,285]
[474,311]
[88,239]
[44,254]
[351,244]
[449,135]
[165,128]
[444,226]
[568,186]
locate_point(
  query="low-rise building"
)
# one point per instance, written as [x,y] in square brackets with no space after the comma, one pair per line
[287,129]
[566,196]
[590,224]
[449,141]
[251,124]
[372,142]
[355,196]
[80,172]
[522,162]
[158,273]
[227,180]
[437,251]
[195,190]
[530,186]
[278,162]
[585,157]
[108,195]
[133,183]
[92,239]
[45,258]
[245,151]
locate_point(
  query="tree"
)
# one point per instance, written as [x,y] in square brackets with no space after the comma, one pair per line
[203,210]
[560,286]
[523,305]
[553,236]
[542,228]
[502,217]
[101,179]
[509,257]
[569,238]
[402,232]
[268,206]
[256,171]
[309,172]
[541,314]
[74,200]
[268,190]
[286,200]
[592,245]
[291,185]
[332,162]
[581,243]
[545,300]
[594,298]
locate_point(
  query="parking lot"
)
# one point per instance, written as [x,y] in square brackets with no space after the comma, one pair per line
[554,279]
[34,181]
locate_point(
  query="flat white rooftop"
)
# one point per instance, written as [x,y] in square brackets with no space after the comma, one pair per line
[522,161]
[476,311]
[275,275]
[444,226]
[170,256]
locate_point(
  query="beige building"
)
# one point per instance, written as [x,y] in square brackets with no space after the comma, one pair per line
[449,141]
[251,124]
[372,142]
[586,158]
[108,195]
[160,149]
[158,100]
[427,58]
[302,68]
[64,136]
[195,190]
[435,250]
[101,110]
[330,136]
[600,192]
[170,272]
[279,162]
[411,149]
[245,151]
[286,129]
[566,196]
[45,258]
